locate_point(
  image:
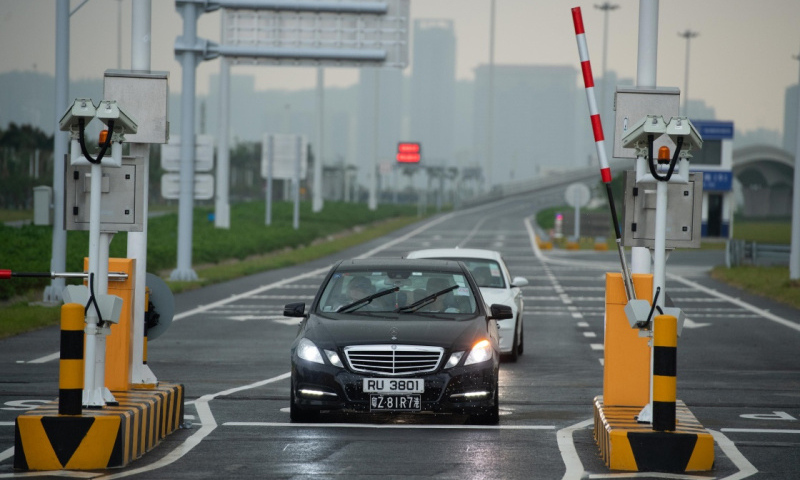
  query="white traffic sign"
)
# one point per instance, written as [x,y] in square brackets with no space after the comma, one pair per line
[332,34]
[285,155]
[203,154]
[203,186]
[577,195]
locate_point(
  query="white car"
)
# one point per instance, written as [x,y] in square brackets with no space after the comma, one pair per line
[491,274]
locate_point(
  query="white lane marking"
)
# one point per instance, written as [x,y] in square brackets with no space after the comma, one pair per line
[589,334]
[597,346]
[209,424]
[761,312]
[390,426]
[46,358]
[568,452]
[759,430]
[746,468]
[583,324]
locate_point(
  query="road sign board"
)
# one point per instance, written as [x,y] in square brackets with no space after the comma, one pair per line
[285,154]
[577,195]
[203,154]
[351,33]
[203,186]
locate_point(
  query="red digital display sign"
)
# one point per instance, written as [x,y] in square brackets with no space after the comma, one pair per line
[408,152]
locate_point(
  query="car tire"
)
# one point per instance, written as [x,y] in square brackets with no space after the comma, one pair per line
[521,346]
[492,416]
[515,348]
[299,415]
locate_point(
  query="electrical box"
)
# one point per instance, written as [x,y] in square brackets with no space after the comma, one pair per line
[144,95]
[121,202]
[632,104]
[684,213]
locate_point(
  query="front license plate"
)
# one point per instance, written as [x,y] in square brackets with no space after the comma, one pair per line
[393,385]
[402,403]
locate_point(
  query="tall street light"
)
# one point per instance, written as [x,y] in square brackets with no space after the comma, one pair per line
[490,99]
[794,253]
[605,7]
[688,35]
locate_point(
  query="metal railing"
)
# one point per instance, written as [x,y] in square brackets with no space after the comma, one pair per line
[742,252]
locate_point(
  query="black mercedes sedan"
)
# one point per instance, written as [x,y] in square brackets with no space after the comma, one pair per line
[396,335]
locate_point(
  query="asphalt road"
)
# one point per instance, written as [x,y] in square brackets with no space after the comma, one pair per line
[738,372]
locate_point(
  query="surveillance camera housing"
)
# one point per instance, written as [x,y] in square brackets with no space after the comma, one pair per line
[682,127]
[82,108]
[123,122]
[650,125]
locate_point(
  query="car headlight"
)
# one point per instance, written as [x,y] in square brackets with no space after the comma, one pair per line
[454,359]
[480,352]
[333,357]
[308,351]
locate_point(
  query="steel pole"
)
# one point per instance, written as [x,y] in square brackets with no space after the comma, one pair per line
[373,163]
[646,69]
[317,201]
[58,258]
[794,255]
[184,269]
[137,241]
[222,208]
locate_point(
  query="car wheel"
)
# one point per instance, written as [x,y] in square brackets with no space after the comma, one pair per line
[299,415]
[521,346]
[515,350]
[492,415]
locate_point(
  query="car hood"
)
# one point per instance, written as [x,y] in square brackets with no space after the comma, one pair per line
[405,330]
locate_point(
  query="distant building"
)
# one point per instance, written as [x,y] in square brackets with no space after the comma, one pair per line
[536,120]
[433,87]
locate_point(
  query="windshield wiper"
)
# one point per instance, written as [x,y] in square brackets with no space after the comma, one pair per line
[366,300]
[424,301]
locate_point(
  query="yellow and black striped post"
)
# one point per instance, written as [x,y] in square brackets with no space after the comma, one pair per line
[665,356]
[70,374]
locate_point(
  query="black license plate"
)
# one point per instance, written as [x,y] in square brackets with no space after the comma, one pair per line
[395,403]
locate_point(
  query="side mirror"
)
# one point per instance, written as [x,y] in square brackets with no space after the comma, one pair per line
[501,312]
[519,282]
[294,310]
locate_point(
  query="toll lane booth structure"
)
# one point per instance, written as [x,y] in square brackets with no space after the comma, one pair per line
[715,161]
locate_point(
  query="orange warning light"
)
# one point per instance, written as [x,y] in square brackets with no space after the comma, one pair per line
[663,154]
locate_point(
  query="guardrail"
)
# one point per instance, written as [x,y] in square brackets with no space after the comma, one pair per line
[741,252]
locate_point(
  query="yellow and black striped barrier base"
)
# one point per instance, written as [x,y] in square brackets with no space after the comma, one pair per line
[628,445]
[104,438]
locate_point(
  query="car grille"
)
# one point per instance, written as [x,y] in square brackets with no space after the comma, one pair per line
[393,359]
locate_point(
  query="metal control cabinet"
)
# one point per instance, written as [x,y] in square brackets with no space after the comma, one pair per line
[145,95]
[684,213]
[121,202]
[632,104]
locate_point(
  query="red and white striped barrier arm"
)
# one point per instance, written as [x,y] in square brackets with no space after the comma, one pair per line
[588,81]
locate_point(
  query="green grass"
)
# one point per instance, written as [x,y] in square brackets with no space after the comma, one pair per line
[248,247]
[770,282]
[778,232]
[15,215]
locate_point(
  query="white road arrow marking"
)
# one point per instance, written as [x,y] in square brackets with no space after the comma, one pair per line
[687,323]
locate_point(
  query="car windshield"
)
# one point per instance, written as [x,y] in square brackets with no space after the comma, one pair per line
[486,272]
[398,291]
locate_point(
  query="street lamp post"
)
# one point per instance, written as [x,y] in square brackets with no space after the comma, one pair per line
[605,7]
[794,253]
[688,35]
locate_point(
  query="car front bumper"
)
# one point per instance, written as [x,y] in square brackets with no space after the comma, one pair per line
[467,390]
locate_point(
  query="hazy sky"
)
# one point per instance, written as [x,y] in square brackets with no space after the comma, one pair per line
[741,63]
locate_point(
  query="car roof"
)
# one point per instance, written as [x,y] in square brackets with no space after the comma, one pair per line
[455,253]
[367,264]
